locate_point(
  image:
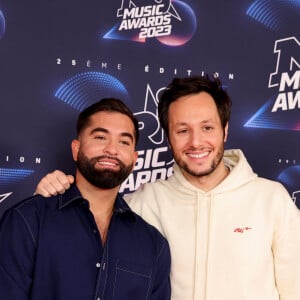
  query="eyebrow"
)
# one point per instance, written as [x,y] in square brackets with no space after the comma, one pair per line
[104,130]
[202,122]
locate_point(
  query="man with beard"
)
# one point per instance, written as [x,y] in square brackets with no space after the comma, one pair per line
[233,235]
[87,243]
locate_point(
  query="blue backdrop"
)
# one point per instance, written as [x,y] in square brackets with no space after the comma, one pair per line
[57,57]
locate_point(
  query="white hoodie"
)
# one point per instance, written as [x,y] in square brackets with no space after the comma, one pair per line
[239,241]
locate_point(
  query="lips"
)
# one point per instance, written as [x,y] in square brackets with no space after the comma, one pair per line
[198,155]
[108,162]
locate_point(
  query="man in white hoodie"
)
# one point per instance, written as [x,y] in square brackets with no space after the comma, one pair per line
[233,235]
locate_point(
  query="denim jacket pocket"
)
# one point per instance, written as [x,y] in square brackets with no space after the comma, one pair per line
[132,282]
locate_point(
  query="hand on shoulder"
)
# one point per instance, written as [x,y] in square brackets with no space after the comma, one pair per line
[54,183]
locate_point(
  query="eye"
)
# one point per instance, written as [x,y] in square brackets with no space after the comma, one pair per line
[125,143]
[99,137]
[208,128]
[182,131]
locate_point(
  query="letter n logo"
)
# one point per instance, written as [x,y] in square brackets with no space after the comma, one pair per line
[288,59]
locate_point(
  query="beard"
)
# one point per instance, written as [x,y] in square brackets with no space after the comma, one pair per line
[214,164]
[106,178]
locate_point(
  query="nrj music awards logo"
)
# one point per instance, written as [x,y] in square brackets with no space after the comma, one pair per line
[155,160]
[286,78]
[282,109]
[171,22]
[2,25]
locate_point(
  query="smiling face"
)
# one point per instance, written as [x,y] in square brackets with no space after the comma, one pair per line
[105,149]
[197,137]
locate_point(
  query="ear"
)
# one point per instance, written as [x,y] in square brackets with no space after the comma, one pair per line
[135,157]
[75,145]
[226,132]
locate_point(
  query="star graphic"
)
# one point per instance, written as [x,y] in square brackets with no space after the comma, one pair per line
[4,196]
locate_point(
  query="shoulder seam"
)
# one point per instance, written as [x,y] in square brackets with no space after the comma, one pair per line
[27,225]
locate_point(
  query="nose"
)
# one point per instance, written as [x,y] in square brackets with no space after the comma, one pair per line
[111,147]
[196,138]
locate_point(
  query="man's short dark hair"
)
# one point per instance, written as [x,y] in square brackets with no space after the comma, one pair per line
[108,105]
[180,87]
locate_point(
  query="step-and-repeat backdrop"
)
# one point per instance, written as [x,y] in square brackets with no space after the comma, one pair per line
[58,56]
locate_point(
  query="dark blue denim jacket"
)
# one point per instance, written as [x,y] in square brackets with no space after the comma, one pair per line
[50,248]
